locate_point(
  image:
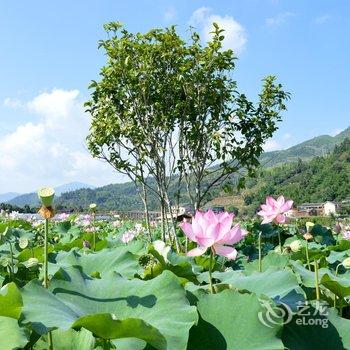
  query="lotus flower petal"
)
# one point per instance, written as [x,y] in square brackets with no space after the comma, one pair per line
[187,228]
[197,251]
[228,252]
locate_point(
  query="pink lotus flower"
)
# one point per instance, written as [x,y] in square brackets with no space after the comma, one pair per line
[62,217]
[128,236]
[210,230]
[274,210]
[346,235]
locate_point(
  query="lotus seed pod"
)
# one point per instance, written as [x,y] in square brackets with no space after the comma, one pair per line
[32,262]
[346,263]
[308,236]
[93,206]
[46,195]
[309,225]
[23,242]
[295,246]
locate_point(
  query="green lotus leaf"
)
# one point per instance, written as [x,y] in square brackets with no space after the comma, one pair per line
[117,259]
[271,260]
[229,320]
[78,300]
[107,327]
[277,284]
[339,285]
[318,330]
[68,340]
[10,301]
[12,336]
[305,276]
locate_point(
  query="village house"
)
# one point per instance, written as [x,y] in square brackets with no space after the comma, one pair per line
[314,209]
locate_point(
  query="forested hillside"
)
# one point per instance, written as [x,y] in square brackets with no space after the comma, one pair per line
[321,179]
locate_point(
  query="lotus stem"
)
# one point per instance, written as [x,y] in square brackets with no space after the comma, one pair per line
[259,247]
[46,272]
[94,232]
[335,296]
[307,256]
[279,241]
[49,337]
[12,262]
[317,281]
[210,270]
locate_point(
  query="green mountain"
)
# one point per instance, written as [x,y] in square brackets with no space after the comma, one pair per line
[32,200]
[124,196]
[321,179]
[318,146]
[5,197]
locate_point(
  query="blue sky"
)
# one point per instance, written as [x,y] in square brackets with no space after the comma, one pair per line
[49,54]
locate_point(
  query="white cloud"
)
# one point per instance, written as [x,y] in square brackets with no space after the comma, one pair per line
[51,151]
[170,14]
[322,19]
[287,136]
[279,19]
[271,145]
[12,103]
[235,34]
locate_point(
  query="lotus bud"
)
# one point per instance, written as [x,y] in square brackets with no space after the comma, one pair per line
[346,263]
[337,228]
[295,246]
[86,244]
[309,225]
[46,195]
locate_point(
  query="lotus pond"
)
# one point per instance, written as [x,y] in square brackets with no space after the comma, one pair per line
[252,285]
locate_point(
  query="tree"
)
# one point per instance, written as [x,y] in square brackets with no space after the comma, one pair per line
[135,108]
[168,110]
[223,132]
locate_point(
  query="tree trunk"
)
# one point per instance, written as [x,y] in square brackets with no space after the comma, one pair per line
[145,203]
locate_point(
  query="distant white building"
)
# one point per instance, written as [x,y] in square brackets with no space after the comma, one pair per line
[330,208]
[326,208]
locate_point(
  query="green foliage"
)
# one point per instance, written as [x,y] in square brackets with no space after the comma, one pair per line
[319,180]
[138,296]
